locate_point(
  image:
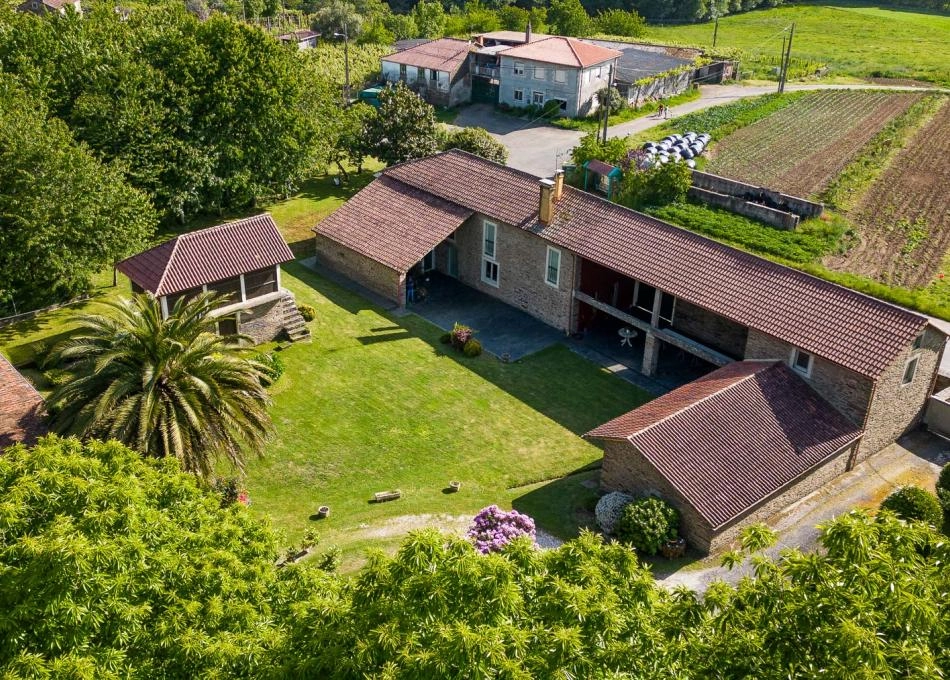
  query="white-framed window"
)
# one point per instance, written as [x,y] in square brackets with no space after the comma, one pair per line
[518,69]
[910,370]
[490,272]
[560,75]
[801,361]
[433,75]
[537,97]
[489,251]
[552,270]
[540,73]
[420,73]
[402,71]
[428,261]
[519,95]
[600,72]
[489,233]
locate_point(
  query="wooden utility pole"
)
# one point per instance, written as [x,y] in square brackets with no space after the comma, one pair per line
[715,31]
[786,60]
[606,104]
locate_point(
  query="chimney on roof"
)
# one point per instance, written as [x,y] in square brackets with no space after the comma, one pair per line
[546,206]
[558,185]
[527,32]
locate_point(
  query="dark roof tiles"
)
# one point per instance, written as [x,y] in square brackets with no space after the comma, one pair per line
[21,407]
[699,436]
[208,255]
[393,223]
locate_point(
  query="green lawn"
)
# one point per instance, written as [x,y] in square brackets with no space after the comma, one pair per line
[858,41]
[377,403]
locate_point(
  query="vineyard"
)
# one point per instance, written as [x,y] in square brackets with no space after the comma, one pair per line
[801,148]
[903,219]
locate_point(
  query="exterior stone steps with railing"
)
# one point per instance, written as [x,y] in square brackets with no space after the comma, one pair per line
[294,323]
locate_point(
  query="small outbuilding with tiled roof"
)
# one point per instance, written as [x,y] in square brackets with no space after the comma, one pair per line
[729,449]
[303,38]
[42,7]
[240,261]
[567,71]
[438,70]
[21,408]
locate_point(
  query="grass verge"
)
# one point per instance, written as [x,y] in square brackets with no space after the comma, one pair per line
[848,187]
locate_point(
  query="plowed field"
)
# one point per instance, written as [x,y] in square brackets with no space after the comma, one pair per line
[904,217]
[801,148]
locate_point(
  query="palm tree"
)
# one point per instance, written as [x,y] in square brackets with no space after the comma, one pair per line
[167,387]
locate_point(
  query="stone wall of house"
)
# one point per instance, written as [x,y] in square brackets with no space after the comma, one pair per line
[625,469]
[811,482]
[895,407]
[844,389]
[263,322]
[711,329]
[522,261]
[367,272]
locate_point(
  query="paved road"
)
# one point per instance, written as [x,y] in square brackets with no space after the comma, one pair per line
[539,148]
[917,459]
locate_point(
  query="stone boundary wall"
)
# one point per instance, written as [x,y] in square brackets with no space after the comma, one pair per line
[779,219]
[663,86]
[773,199]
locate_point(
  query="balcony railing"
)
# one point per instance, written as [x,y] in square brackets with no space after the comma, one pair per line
[489,71]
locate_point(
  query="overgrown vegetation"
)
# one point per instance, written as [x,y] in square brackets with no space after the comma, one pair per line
[648,523]
[914,503]
[625,113]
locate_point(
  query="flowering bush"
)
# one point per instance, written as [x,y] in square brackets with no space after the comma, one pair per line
[609,508]
[493,528]
[460,335]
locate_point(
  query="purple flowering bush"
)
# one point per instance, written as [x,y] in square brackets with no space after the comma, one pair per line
[460,334]
[493,528]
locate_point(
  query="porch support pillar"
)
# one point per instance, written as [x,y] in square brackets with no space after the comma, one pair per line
[651,354]
[657,301]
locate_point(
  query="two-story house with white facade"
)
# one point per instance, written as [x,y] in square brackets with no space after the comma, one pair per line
[437,70]
[565,70]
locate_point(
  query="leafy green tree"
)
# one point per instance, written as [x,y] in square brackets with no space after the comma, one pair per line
[166,387]
[64,215]
[474,17]
[611,97]
[402,26]
[620,22]
[375,32]
[568,17]
[914,503]
[403,128]
[655,186]
[429,17]
[115,566]
[477,141]
[514,18]
[590,147]
[339,17]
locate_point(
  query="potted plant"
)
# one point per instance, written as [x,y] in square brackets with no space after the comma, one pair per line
[455,486]
[674,548]
[323,511]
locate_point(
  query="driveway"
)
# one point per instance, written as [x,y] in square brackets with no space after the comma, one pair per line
[540,149]
[916,459]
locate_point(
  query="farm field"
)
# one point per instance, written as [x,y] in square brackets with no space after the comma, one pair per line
[801,148]
[903,219]
[857,41]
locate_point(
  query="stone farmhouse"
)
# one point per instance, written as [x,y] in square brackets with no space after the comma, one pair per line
[21,408]
[799,379]
[239,260]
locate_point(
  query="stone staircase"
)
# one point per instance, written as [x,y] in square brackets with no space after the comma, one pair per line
[294,324]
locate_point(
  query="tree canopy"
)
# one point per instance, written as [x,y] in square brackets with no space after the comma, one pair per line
[139,572]
[64,215]
[167,387]
[404,127]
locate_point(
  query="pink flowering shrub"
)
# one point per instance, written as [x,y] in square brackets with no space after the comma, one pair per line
[493,528]
[460,334]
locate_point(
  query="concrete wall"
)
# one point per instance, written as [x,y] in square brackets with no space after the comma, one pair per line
[770,216]
[522,259]
[937,415]
[625,469]
[847,391]
[749,192]
[577,90]
[377,277]
[658,88]
[895,407]
[711,329]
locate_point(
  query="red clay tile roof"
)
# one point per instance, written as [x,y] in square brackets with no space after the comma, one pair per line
[564,51]
[841,325]
[732,439]
[445,54]
[393,223]
[21,407]
[600,167]
[208,255]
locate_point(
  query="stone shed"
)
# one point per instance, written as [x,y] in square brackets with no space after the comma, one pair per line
[729,449]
